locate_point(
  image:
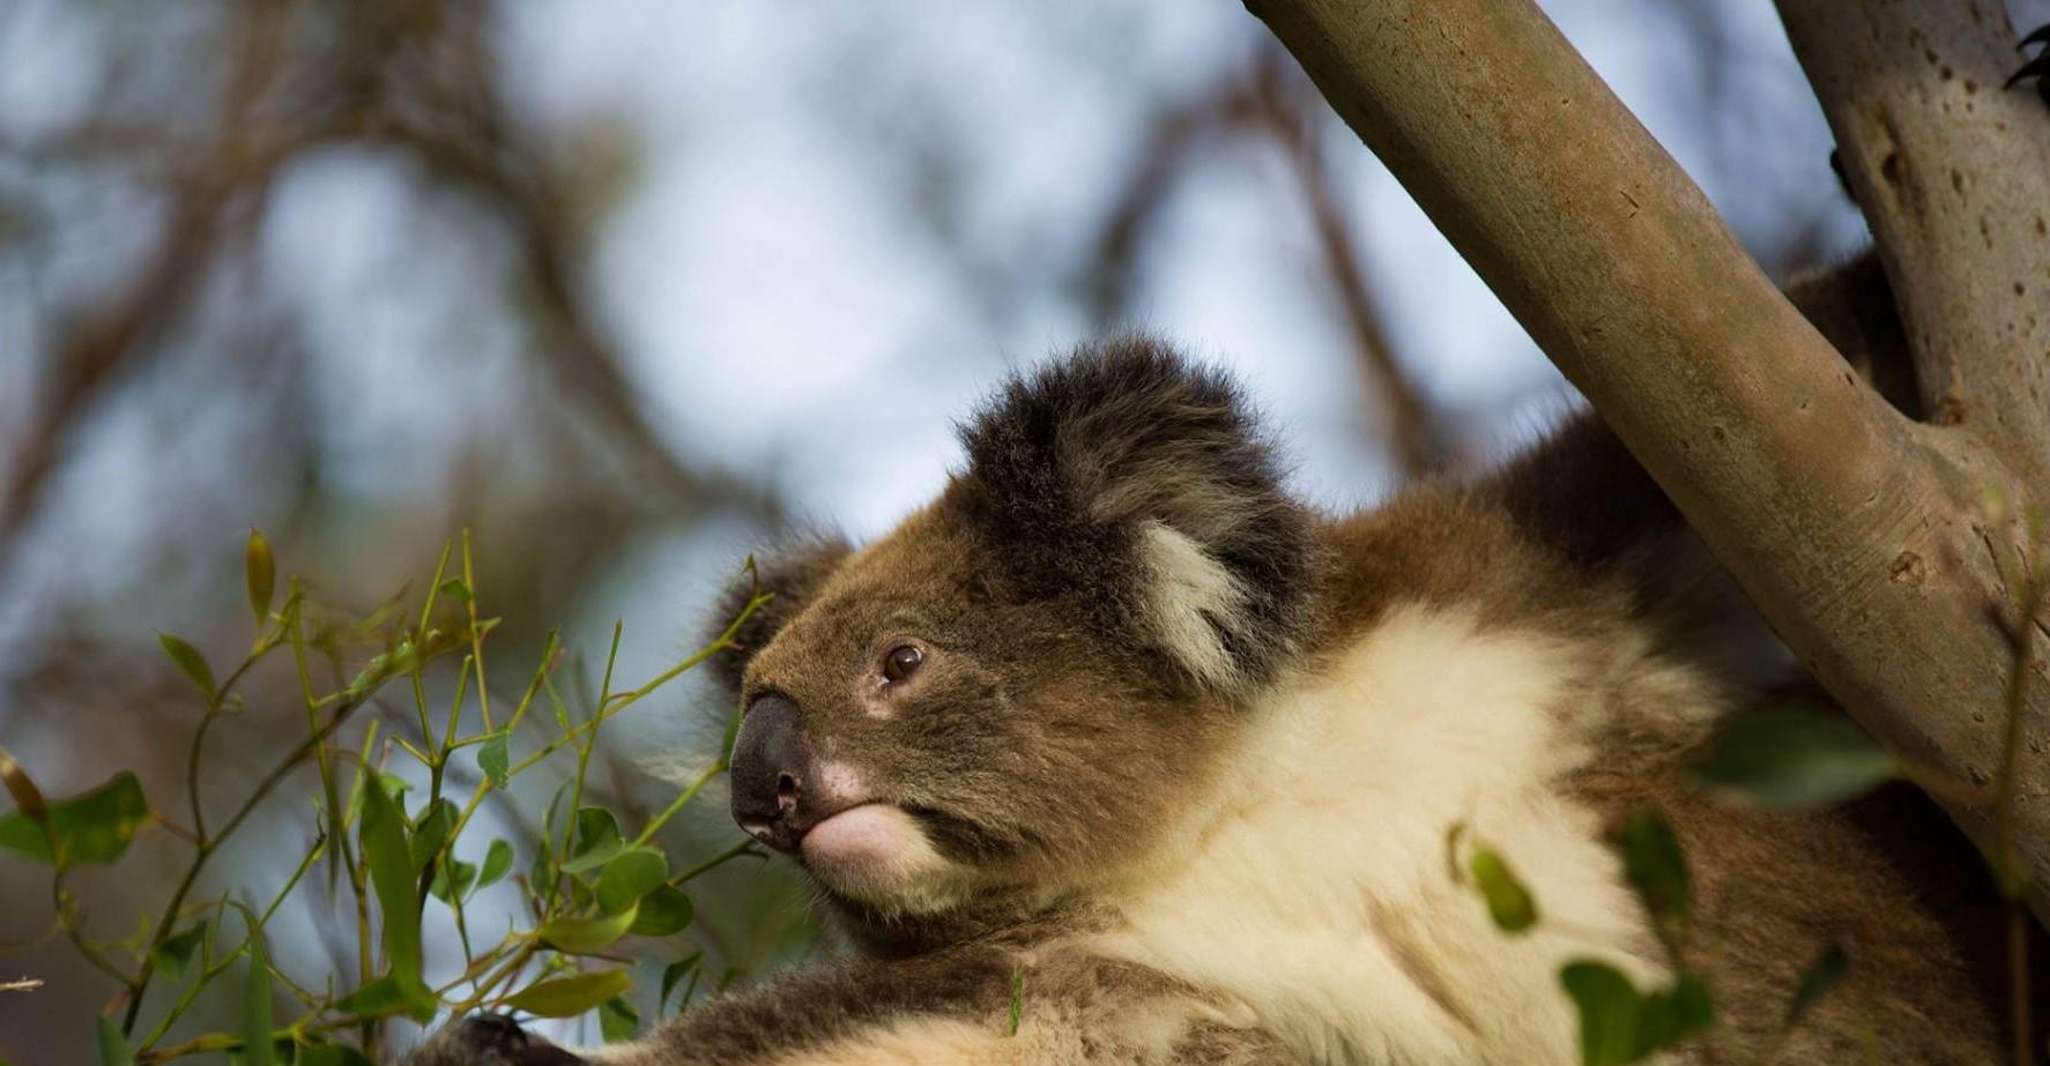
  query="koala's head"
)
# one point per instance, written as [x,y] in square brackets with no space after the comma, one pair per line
[1014,691]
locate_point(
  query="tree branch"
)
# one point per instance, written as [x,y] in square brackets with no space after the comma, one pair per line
[1954,177]
[1853,529]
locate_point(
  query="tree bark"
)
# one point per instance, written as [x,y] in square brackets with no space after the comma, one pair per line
[1862,535]
[1954,177]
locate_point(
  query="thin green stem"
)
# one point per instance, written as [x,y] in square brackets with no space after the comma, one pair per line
[745,847]
[206,721]
[476,636]
[677,804]
[208,845]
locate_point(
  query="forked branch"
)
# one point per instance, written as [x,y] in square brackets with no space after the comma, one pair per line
[1859,533]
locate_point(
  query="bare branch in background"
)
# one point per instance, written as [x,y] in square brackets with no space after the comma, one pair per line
[415,76]
[1270,102]
[1290,110]
[95,349]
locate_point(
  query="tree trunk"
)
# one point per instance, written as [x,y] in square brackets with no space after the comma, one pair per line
[1867,539]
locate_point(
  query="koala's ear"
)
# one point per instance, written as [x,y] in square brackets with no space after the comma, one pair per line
[1137,485]
[792,574]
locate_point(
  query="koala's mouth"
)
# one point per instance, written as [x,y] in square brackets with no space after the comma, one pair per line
[866,834]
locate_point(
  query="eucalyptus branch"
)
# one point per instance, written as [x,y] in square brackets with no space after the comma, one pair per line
[209,845]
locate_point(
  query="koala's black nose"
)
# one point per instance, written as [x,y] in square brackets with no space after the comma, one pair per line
[769,767]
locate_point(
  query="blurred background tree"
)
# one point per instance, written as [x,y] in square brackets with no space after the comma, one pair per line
[627,288]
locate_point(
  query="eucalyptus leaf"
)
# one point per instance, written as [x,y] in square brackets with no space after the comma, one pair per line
[1793,759]
[567,997]
[114,1049]
[617,1020]
[392,874]
[1607,1004]
[92,827]
[462,874]
[189,662]
[330,1055]
[1655,865]
[663,912]
[583,936]
[170,957]
[1669,1017]
[631,874]
[385,997]
[431,832]
[498,861]
[597,841]
[494,760]
[381,996]
[256,1038]
[1509,902]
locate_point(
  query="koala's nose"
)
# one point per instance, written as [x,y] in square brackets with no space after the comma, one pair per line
[768,773]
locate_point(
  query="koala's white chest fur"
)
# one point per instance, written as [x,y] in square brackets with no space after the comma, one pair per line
[1316,897]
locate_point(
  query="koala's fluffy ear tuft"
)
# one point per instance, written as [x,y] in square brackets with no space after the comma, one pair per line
[1137,485]
[792,574]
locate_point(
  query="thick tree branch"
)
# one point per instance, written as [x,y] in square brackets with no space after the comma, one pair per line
[1850,526]
[1954,176]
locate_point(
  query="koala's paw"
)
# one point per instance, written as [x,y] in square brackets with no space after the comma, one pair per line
[2037,68]
[489,1040]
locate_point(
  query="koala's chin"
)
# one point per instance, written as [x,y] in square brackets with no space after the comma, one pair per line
[878,856]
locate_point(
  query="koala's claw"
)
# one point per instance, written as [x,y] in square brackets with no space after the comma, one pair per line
[2037,68]
[490,1040]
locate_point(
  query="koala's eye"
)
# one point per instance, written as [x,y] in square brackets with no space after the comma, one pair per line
[902,661]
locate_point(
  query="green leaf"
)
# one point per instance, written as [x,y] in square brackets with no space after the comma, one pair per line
[498,861]
[1793,759]
[330,1055]
[1816,981]
[261,572]
[1017,1000]
[1655,865]
[631,874]
[1669,1017]
[1608,1006]
[431,832]
[663,912]
[597,841]
[1509,902]
[455,589]
[256,1038]
[464,876]
[494,760]
[189,662]
[385,997]
[392,874]
[18,833]
[170,957]
[617,1020]
[114,1049]
[677,971]
[92,827]
[567,997]
[583,936]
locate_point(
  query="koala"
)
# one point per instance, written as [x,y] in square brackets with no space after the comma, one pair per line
[1115,752]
